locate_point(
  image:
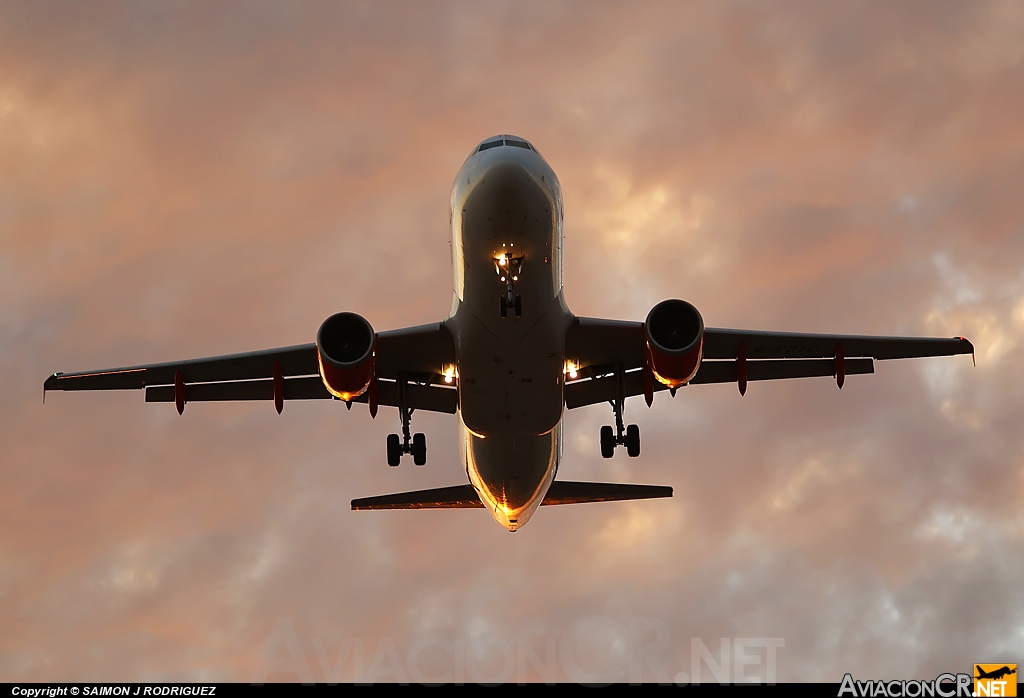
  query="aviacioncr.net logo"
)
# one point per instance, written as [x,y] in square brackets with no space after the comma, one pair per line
[943,686]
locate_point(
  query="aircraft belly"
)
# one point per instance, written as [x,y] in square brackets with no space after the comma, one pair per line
[512,386]
[510,368]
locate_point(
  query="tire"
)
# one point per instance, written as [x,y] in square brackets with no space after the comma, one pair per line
[419,449]
[504,306]
[394,450]
[633,440]
[519,306]
[607,442]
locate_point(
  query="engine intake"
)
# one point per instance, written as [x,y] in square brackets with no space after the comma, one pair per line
[345,344]
[675,341]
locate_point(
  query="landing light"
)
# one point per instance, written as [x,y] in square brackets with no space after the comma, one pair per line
[449,374]
[572,369]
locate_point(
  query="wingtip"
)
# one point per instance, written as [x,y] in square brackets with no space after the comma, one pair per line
[968,348]
[50,384]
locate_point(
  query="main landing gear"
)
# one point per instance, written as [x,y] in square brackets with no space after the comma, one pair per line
[509,268]
[620,436]
[398,447]
[416,445]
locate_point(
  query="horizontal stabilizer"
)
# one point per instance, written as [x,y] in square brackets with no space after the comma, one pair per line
[458,497]
[582,492]
[465,497]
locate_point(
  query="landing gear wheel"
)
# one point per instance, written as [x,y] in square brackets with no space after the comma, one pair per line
[419,449]
[607,442]
[633,440]
[504,306]
[519,306]
[394,450]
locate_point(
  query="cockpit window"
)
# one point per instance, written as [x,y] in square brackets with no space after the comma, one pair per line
[508,141]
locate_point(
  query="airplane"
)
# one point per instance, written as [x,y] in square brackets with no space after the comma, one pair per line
[511,357]
[995,674]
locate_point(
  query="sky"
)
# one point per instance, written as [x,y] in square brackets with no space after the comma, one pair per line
[189,179]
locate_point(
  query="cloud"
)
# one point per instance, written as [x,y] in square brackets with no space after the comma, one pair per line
[185,180]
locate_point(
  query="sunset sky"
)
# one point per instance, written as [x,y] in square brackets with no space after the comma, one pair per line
[188,179]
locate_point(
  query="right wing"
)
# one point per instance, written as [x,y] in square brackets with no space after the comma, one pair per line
[724,344]
[609,355]
[415,353]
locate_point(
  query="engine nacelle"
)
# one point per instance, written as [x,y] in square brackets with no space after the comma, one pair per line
[675,341]
[344,347]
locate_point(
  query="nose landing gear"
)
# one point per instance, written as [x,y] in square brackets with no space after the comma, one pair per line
[416,445]
[509,268]
[511,301]
[621,435]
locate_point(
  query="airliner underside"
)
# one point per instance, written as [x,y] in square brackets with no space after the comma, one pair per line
[510,357]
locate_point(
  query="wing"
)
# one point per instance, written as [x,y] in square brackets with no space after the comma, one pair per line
[415,354]
[610,357]
[724,344]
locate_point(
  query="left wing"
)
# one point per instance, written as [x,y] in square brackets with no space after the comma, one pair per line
[289,373]
[609,356]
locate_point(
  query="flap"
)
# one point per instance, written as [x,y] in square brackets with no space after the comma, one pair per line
[591,391]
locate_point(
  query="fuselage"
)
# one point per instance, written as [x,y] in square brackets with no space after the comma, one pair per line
[506,217]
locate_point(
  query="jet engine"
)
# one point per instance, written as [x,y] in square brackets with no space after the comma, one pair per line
[675,341]
[344,347]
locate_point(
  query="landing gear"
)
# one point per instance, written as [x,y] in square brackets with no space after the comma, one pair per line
[621,435]
[509,268]
[419,449]
[630,439]
[414,444]
[633,440]
[607,442]
[394,450]
[516,304]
